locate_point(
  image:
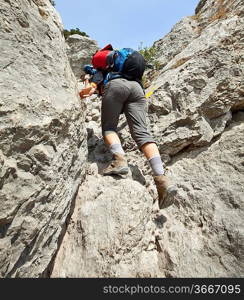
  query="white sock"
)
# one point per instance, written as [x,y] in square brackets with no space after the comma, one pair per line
[116,148]
[156,165]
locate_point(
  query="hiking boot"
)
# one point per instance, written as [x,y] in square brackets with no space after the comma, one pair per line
[166,191]
[118,166]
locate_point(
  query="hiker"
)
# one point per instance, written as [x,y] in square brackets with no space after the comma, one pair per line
[121,73]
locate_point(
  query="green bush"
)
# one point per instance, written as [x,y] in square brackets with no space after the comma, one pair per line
[149,54]
[52,2]
[67,33]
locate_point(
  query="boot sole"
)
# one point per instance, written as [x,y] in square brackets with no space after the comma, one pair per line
[122,171]
[168,199]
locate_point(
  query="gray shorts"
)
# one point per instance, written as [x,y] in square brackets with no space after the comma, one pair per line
[124,96]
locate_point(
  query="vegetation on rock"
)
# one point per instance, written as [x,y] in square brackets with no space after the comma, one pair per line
[149,54]
[52,2]
[72,31]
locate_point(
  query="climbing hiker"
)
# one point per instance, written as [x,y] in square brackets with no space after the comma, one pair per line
[121,71]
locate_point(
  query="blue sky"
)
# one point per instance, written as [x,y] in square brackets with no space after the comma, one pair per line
[125,23]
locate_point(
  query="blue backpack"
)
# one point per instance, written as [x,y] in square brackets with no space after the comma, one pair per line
[125,63]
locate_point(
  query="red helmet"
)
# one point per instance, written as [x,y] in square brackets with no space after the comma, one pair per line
[99,59]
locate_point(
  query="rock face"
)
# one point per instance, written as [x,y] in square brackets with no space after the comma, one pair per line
[197,89]
[112,229]
[120,241]
[80,50]
[173,43]
[195,114]
[116,230]
[204,235]
[42,137]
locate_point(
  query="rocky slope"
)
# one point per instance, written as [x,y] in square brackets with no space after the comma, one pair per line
[115,229]
[42,137]
[196,115]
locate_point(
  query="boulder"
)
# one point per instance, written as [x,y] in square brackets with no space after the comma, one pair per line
[80,50]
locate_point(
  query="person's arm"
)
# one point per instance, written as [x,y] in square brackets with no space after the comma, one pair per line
[96,79]
[88,91]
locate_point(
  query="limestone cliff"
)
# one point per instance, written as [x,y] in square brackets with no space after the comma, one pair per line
[51,144]
[42,137]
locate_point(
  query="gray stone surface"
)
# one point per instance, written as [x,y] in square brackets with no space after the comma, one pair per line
[176,40]
[80,50]
[196,91]
[42,137]
[193,114]
[204,233]
[50,140]
[111,233]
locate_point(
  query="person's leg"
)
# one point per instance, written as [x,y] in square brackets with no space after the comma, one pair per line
[113,100]
[112,140]
[152,154]
[150,150]
[135,114]
[112,105]
[135,111]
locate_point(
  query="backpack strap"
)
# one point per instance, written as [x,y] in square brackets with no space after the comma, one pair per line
[125,63]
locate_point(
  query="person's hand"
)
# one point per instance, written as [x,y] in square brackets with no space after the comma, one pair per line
[86,92]
[83,95]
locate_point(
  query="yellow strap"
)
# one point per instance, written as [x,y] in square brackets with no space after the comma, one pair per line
[149,94]
[94,85]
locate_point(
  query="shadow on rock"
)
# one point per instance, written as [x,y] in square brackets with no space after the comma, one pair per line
[159,221]
[137,175]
